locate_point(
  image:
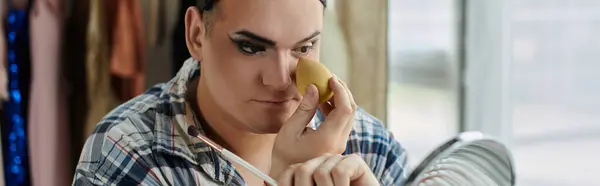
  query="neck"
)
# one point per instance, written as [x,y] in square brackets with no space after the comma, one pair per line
[230,133]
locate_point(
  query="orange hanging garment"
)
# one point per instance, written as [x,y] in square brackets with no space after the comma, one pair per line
[128,46]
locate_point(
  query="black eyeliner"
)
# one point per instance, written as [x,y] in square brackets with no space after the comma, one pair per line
[243,43]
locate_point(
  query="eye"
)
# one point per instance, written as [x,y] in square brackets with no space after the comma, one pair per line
[303,50]
[248,48]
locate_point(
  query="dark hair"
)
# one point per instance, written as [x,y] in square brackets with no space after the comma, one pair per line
[207,11]
[207,5]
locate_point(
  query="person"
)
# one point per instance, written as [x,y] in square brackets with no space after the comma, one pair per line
[238,89]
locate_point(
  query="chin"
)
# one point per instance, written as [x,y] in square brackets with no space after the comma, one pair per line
[272,129]
[269,118]
[269,123]
[274,123]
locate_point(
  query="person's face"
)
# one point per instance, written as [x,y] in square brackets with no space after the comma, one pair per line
[249,57]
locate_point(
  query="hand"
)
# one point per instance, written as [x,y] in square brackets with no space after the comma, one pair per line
[329,170]
[295,143]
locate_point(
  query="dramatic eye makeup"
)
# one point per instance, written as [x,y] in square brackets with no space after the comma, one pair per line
[249,43]
[248,47]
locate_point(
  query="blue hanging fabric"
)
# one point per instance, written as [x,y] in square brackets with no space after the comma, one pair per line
[14,131]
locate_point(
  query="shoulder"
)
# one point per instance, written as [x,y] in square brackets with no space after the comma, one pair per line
[377,146]
[134,119]
[122,140]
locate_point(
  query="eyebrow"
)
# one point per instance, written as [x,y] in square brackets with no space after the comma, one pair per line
[313,35]
[270,42]
[256,37]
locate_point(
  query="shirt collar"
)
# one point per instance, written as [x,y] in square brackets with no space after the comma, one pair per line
[171,132]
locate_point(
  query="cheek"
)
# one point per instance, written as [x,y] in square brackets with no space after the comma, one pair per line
[224,64]
[317,47]
[315,54]
[235,76]
[232,75]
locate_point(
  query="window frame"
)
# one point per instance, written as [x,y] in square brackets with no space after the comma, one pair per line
[487,68]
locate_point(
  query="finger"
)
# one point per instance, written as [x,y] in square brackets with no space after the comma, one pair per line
[350,169]
[304,113]
[286,178]
[332,99]
[352,102]
[337,119]
[322,175]
[326,108]
[303,174]
[350,124]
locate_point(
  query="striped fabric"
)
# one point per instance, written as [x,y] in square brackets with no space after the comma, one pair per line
[144,141]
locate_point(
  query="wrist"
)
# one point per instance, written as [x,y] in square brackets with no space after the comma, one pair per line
[277,167]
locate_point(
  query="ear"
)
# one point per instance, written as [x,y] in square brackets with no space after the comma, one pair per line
[194,31]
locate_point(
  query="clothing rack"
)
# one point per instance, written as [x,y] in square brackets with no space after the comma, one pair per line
[88,57]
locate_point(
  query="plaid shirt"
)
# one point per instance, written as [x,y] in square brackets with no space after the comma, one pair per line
[144,142]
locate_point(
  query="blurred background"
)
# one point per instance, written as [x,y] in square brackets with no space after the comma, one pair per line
[522,71]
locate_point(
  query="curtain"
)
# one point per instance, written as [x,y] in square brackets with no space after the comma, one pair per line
[358,29]
[334,51]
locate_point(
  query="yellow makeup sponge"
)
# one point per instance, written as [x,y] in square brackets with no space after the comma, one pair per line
[312,72]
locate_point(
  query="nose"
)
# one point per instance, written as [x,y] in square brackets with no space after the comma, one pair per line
[278,75]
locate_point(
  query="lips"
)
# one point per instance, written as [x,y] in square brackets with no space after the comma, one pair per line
[273,101]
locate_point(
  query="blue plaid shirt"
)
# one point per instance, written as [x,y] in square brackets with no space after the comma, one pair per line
[144,142]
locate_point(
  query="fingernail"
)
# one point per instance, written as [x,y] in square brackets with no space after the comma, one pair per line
[310,90]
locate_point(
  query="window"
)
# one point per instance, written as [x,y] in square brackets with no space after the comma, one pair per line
[555,89]
[532,80]
[422,97]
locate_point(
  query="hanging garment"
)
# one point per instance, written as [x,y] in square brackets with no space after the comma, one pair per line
[1,164]
[152,10]
[158,48]
[100,97]
[161,29]
[3,74]
[127,57]
[48,131]
[14,126]
[3,83]
[74,68]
